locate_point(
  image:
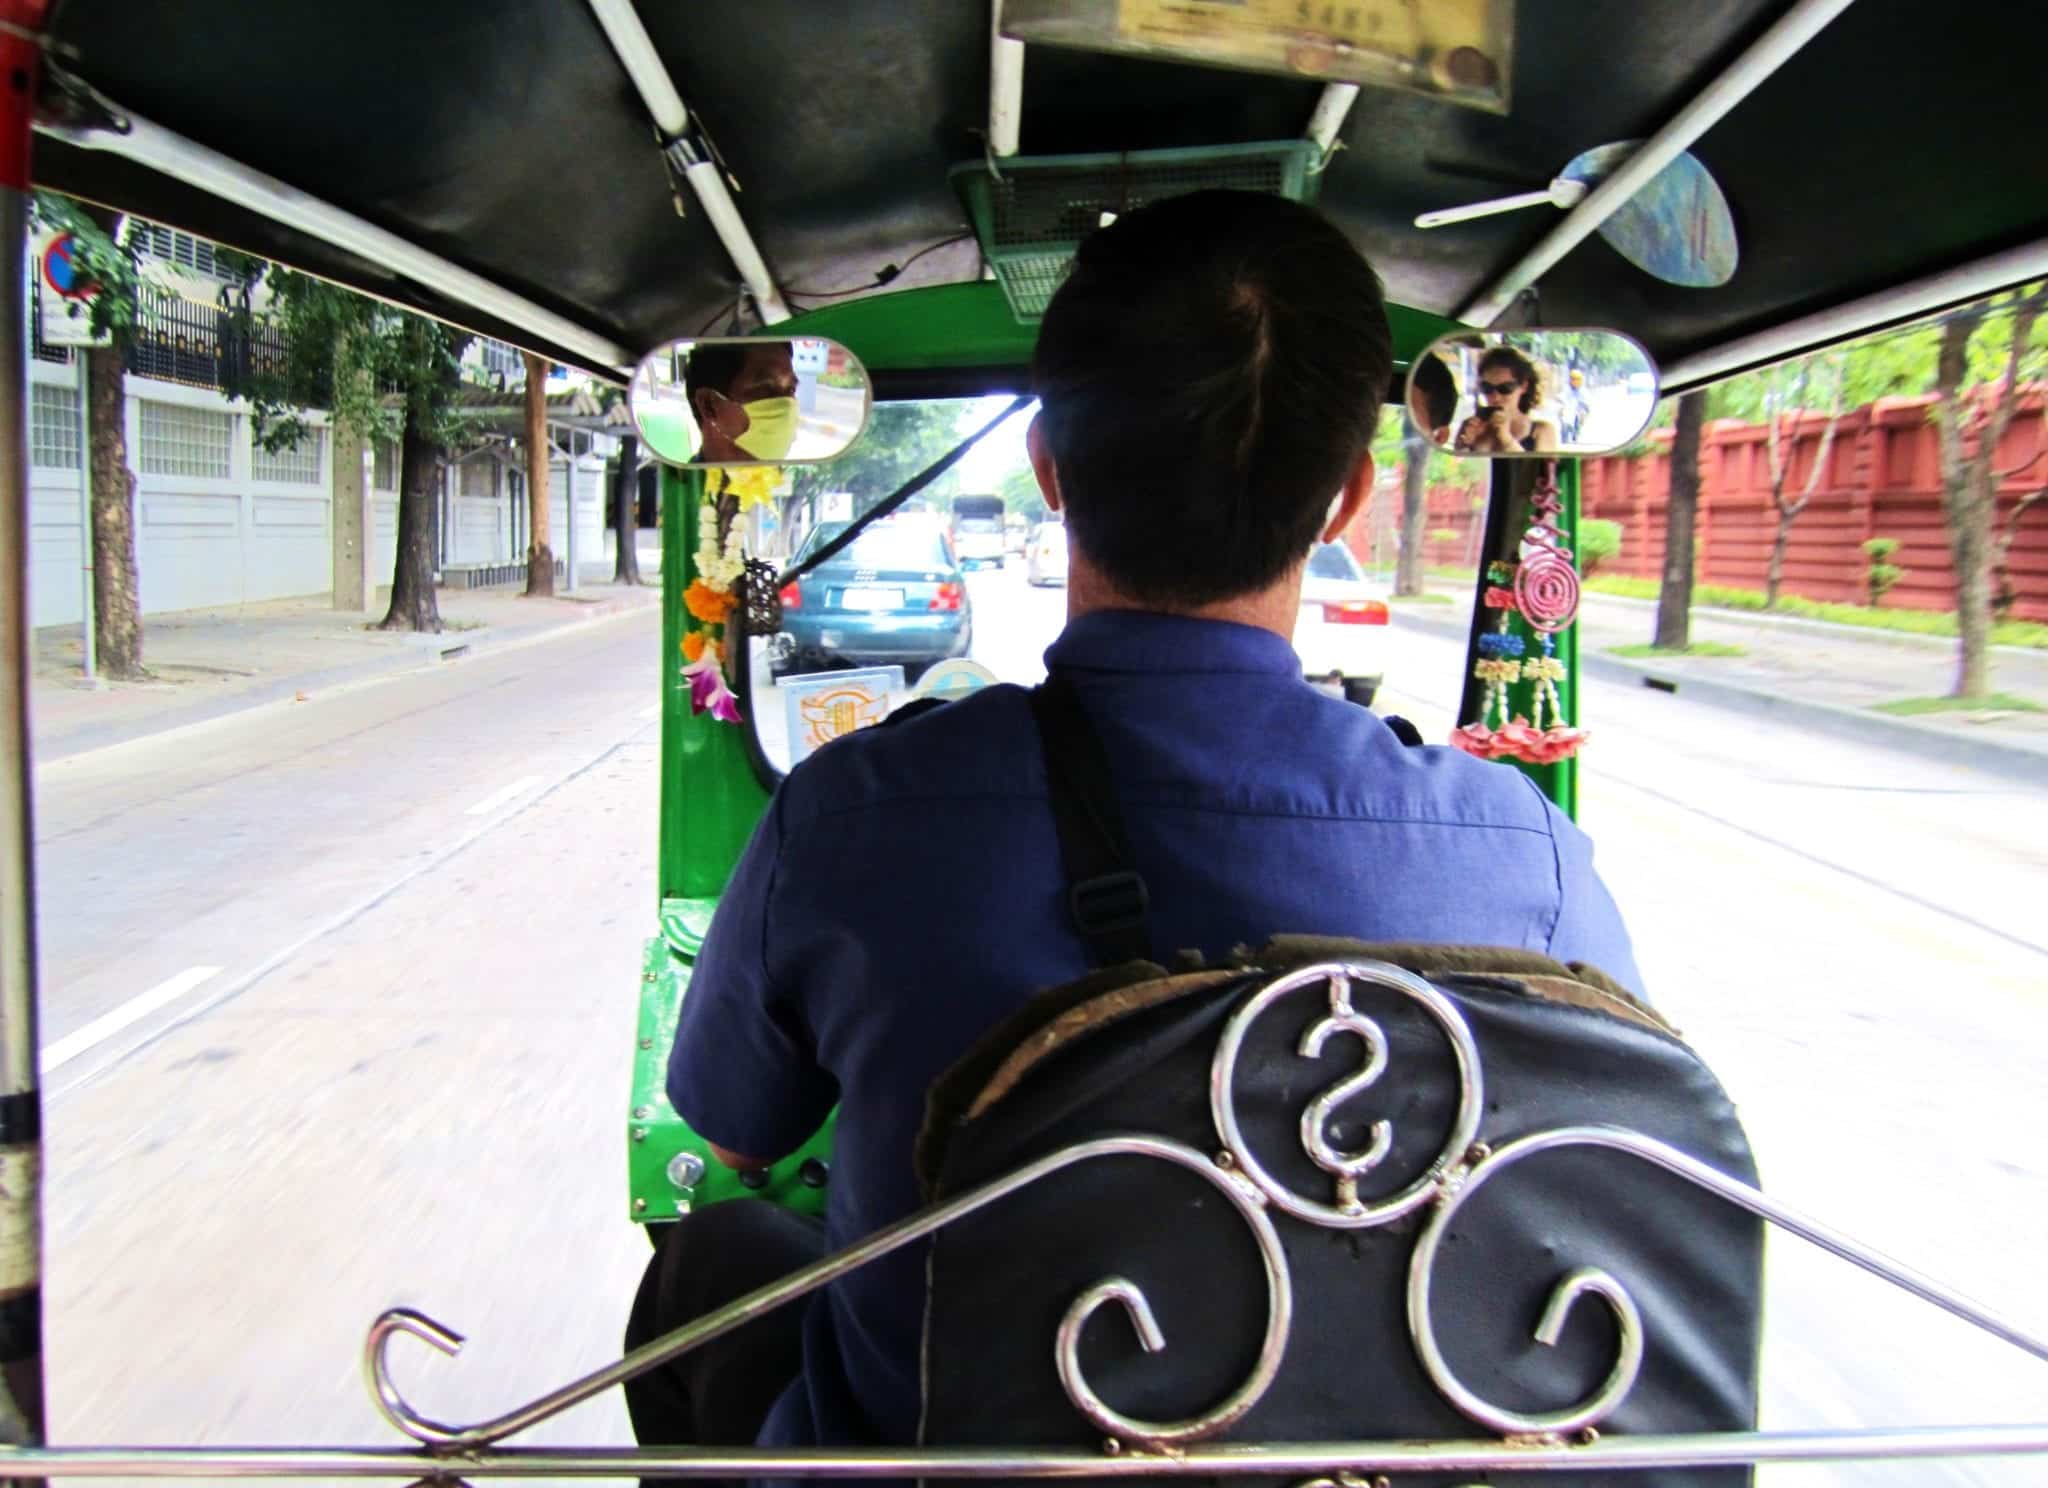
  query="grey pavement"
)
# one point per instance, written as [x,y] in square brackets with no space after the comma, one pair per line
[208,664]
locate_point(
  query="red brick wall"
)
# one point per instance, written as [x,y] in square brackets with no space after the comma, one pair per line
[1883,480]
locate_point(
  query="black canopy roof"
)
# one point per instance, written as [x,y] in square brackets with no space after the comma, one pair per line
[505,137]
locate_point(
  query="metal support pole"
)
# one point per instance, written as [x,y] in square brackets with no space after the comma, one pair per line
[21,1108]
[1005,87]
[1327,122]
[85,542]
[675,129]
[173,155]
[1766,55]
[569,561]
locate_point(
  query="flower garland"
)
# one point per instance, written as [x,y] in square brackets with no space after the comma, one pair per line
[721,564]
[1544,590]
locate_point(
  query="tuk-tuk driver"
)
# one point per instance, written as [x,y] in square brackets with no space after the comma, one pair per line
[744,398]
[1210,377]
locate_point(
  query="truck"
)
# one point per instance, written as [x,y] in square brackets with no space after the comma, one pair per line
[978,531]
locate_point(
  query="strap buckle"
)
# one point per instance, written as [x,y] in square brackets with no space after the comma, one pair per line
[1111,904]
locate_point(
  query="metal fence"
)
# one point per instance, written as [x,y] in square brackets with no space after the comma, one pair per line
[179,341]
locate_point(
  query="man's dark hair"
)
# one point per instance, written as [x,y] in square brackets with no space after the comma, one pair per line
[1438,388]
[714,366]
[1209,376]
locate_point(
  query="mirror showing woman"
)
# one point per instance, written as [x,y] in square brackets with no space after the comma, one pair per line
[1510,389]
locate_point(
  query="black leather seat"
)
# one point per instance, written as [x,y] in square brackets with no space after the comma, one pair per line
[1133,1049]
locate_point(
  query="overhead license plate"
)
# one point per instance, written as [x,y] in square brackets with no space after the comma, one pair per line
[872,599]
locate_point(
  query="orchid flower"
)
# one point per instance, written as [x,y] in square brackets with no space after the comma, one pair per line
[708,689]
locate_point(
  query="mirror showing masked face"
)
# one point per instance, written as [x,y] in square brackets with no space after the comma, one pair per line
[1532,394]
[749,401]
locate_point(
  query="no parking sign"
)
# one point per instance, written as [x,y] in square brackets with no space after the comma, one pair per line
[64,292]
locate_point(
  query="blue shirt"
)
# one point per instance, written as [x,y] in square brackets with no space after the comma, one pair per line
[903,893]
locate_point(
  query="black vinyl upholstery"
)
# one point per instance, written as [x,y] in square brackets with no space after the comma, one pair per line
[1133,1053]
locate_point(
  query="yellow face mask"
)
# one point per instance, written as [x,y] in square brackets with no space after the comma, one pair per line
[771,428]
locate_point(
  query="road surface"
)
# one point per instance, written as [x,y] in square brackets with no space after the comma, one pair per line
[344,995]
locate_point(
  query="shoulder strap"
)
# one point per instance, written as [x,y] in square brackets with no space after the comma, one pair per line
[1107,899]
[1403,730]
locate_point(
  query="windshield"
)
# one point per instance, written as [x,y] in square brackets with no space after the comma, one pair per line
[899,611]
[1330,561]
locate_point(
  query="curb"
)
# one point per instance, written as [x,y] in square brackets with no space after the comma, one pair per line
[415,653]
[1871,634]
[2015,761]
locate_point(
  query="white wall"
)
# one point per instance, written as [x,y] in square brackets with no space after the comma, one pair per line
[590,543]
[214,523]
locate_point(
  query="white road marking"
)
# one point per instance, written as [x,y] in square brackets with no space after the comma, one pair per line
[134,1010]
[653,712]
[498,798]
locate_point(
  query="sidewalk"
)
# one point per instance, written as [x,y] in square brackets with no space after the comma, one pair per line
[210,663]
[1808,672]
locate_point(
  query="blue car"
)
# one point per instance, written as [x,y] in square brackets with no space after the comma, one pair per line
[896,597]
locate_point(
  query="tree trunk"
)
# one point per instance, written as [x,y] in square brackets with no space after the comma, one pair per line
[116,619]
[540,558]
[1681,515]
[626,507]
[414,605]
[1969,545]
[117,608]
[1409,571]
[1774,575]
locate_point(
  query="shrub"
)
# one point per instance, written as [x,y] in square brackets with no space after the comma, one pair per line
[1598,540]
[1882,573]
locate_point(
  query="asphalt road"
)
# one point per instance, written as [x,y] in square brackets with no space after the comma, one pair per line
[422,902]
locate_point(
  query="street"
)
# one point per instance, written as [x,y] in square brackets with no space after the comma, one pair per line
[346,993]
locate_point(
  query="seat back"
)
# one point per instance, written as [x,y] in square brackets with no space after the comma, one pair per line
[1423,1246]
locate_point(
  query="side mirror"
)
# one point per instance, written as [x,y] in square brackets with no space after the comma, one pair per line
[747,400]
[1532,394]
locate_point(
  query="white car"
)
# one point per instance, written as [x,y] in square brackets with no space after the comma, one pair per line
[1338,633]
[1045,559]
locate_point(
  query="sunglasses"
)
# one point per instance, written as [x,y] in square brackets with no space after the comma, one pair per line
[1498,389]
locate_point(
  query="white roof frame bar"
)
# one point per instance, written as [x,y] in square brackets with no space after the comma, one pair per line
[1770,51]
[636,53]
[160,149]
[1327,122]
[1888,307]
[1005,86]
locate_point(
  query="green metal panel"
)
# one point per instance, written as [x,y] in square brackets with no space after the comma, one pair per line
[710,803]
[1560,781]
[970,325]
[1507,517]
[656,1136]
[710,799]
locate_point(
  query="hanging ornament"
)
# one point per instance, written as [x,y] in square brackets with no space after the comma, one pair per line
[1543,588]
[1546,582]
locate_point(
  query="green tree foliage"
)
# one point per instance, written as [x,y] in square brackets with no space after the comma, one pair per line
[380,371]
[900,440]
[1020,493]
[1601,353]
[1974,360]
[101,260]
[384,373]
